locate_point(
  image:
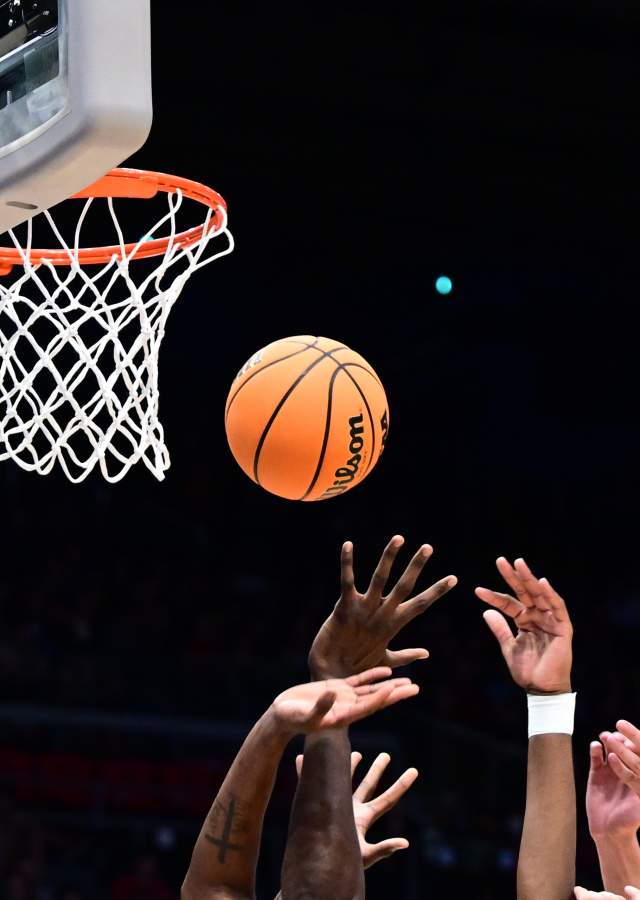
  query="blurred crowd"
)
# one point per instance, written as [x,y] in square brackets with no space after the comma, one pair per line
[175,601]
[168,641]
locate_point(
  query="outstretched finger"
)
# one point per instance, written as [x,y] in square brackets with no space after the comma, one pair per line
[513,579]
[397,658]
[370,781]
[386,801]
[407,580]
[347,578]
[630,759]
[504,602]
[403,692]
[411,608]
[365,689]
[383,569]
[384,849]
[362,706]
[622,772]
[535,593]
[500,627]
[557,604]
[375,674]
[630,732]
[366,706]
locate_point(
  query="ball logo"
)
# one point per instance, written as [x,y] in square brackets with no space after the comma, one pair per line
[344,475]
[255,360]
[384,424]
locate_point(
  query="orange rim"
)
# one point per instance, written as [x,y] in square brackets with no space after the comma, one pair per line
[134,184]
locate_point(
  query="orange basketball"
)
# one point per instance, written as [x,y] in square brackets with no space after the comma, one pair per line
[307,418]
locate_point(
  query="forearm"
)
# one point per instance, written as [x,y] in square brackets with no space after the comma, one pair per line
[323,858]
[546,867]
[226,852]
[619,861]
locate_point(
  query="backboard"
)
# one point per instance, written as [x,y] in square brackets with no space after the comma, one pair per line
[75,97]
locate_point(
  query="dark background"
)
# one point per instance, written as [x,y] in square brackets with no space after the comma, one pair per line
[143,627]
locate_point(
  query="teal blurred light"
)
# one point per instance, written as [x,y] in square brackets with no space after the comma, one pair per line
[444,285]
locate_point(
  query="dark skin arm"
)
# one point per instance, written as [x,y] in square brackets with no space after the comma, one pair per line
[225,856]
[369,807]
[546,866]
[223,865]
[322,836]
[323,839]
[539,658]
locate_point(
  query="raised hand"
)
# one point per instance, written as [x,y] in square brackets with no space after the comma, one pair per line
[357,634]
[624,754]
[630,893]
[539,656]
[338,702]
[367,809]
[613,809]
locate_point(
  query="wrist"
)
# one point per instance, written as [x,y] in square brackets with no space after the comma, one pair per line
[274,730]
[551,713]
[564,687]
[337,737]
[616,838]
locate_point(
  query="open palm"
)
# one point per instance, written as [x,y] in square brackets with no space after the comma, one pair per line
[612,807]
[357,634]
[339,702]
[368,809]
[539,656]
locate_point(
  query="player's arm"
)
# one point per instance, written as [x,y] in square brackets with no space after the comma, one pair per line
[225,856]
[322,833]
[323,859]
[224,860]
[539,658]
[613,811]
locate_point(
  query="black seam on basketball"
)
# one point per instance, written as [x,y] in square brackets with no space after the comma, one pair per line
[366,369]
[373,427]
[327,427]
[267,366]
[274,414]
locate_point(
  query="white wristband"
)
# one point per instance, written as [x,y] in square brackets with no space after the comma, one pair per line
[551,713]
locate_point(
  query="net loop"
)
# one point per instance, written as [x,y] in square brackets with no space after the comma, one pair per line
[81,332]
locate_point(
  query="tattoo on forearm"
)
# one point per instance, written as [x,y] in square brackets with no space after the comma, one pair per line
[226,820]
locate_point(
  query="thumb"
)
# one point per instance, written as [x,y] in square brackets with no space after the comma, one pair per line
[323,705]
[499,626]
[384,849]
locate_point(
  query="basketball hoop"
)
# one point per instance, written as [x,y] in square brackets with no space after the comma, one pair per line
[80,337]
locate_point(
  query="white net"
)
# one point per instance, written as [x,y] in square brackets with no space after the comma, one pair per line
[79,351]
